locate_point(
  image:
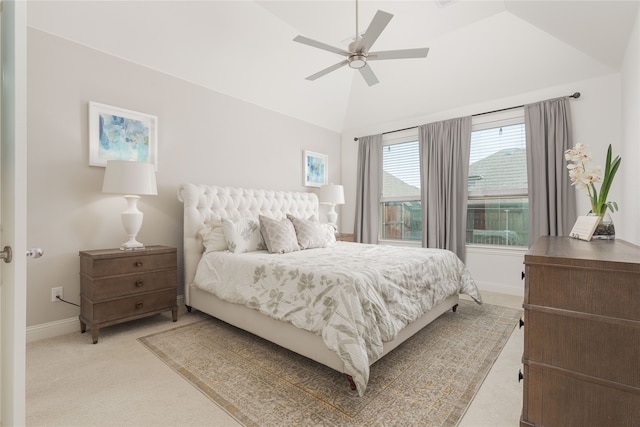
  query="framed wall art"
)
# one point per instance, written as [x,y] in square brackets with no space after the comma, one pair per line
[119,134]
[316,168]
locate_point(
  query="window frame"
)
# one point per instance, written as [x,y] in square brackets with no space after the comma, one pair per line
[394,138]
[490,121]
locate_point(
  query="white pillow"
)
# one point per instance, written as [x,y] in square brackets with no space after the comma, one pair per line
[279,235]
[213,237]
[329,235]
[242,235]
[309,233]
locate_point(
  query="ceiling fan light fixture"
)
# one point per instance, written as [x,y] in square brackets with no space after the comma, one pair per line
[357,61]
[360,48]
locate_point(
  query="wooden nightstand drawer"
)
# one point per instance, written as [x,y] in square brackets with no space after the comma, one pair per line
[344,237]
[116,286]
[130,306]
[131,264]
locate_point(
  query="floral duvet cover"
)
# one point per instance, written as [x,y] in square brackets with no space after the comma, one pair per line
[356,296]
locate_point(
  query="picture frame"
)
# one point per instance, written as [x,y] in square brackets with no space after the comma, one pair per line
[120,134]
[316,168]
[584,227]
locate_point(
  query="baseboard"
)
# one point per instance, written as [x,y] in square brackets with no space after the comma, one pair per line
[52,329]
[501,288]
[62,327]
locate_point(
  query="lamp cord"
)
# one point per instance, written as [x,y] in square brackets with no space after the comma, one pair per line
[72,303]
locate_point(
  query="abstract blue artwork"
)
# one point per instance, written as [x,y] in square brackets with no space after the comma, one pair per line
[123,139]
[119,134]
[315,169]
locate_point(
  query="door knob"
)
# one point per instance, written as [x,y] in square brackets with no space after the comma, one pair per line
[6,254]
[35,252]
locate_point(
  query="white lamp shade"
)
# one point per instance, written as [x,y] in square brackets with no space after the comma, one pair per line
[128,177]
[331,194]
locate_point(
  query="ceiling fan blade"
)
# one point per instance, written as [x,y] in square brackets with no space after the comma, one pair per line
[328,70]
[377,25]
[398,54]
[320,45]
[369,75]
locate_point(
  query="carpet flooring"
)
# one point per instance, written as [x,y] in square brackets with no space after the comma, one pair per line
[428,380]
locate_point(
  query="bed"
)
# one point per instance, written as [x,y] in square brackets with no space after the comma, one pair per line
[344,305]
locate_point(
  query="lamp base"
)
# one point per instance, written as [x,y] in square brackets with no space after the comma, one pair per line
[131,246]
[332,216]
[132,222]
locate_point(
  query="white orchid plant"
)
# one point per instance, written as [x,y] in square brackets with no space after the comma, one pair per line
[583,175]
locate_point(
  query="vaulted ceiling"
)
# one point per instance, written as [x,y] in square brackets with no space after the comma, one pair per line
[479,50]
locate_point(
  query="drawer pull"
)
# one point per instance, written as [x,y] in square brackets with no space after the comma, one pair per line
[139,283]
[138,264]
[139,304]
[520,323]
[520,376]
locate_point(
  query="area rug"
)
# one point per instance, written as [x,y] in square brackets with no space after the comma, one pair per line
[429,380]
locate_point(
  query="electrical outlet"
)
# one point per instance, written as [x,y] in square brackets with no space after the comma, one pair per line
[56,292]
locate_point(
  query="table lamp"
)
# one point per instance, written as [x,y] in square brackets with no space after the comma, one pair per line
[332,195]
[131,179]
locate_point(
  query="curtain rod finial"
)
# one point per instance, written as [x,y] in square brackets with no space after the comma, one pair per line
[576,95]
[355,139]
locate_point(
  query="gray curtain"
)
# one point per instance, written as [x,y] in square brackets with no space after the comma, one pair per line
[368,189]
[444,167]
[552,200]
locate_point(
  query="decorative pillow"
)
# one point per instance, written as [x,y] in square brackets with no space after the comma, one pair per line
[242,235]
[279,235]
[310,233]
[329,234]
[213,237]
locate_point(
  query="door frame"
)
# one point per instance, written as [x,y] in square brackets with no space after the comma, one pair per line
[13,203]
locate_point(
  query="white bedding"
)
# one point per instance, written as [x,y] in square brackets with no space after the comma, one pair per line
[328,292]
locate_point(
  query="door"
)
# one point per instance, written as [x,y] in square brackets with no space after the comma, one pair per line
[13,215]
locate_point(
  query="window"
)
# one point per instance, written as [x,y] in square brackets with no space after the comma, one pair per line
[498,203]
[401,209]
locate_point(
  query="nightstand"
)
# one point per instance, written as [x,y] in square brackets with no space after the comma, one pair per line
[117,286]
[344,237]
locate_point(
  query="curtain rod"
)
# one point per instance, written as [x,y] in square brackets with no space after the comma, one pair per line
[575,95]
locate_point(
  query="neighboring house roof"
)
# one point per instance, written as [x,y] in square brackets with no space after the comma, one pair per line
[504,169]
[394,185]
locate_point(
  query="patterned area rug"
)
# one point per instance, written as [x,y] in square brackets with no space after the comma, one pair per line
[429,380]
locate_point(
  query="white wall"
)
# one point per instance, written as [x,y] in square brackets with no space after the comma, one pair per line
[204,137]
[629,228]
[596,122]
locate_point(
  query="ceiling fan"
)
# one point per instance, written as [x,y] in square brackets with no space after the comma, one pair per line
[358,53]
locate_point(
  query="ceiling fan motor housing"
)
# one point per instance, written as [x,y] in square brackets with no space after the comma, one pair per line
[357,61]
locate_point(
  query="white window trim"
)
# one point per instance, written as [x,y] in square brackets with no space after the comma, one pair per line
[498,194]
[502,118]
[393,138]
[488,121]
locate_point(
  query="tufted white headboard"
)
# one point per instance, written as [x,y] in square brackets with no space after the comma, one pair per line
[204,203]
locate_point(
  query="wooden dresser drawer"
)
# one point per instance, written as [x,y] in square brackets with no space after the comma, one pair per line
[585,345]
[114,286]
[131,306]
[127,265]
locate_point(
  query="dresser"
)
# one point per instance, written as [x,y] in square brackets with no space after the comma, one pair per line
[581,359]
[117,286]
